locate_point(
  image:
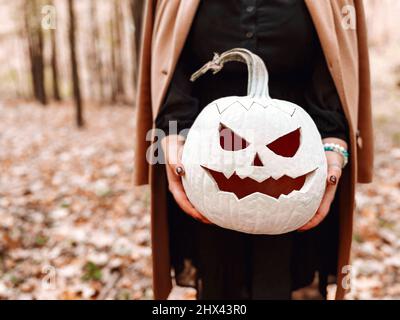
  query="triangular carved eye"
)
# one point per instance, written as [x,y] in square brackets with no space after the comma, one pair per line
[229,140]
[287,145]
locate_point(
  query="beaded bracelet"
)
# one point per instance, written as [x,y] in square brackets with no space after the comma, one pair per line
[339,149]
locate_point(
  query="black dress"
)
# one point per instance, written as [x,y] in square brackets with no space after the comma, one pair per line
[222,263]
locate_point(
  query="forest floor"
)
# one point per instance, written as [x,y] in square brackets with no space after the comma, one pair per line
[72,226]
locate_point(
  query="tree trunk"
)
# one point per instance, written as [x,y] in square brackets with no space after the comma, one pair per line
[35,43]
[137,16]
[41,65]
[95,59]
[118,56]
[113,73]
[74,65]
[54,69]
[31,49]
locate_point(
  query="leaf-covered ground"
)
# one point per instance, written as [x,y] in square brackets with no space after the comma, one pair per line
[71,223]
[72,226]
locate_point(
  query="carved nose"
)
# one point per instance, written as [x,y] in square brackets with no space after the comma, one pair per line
[257,161]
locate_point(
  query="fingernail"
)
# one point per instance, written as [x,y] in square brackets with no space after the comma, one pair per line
[179,171]
[332,180]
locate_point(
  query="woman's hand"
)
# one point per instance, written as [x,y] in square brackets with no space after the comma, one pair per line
[335,163]
[172,146]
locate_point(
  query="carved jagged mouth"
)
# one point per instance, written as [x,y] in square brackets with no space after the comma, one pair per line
[243,187]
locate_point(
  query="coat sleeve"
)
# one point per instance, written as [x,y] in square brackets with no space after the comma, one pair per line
[365,136]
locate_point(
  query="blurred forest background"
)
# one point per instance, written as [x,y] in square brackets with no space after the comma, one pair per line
[72,226]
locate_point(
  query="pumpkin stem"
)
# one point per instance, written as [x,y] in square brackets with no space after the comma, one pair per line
[257,86]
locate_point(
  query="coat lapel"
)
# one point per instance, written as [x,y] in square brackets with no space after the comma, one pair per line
[322,16]
[327,29]
[186,14]
[173,21]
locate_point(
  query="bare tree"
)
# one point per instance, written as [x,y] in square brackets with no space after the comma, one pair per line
[137,7]
[74,65]
[114,89]
[54,68]
[34,36]
[137,17]
[96,64]
[118,56]
[116,63]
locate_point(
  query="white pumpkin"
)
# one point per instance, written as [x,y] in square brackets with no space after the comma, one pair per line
[254,164]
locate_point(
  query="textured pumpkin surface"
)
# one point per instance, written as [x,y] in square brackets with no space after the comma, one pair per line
[262,187]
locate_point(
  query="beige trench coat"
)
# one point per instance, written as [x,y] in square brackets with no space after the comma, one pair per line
[166,26]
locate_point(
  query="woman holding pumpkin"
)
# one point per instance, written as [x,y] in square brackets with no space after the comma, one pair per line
[296,43]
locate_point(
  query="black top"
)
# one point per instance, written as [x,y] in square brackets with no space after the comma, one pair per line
[281,32]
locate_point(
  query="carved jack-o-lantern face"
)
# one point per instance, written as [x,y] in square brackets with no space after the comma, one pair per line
[254,164]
